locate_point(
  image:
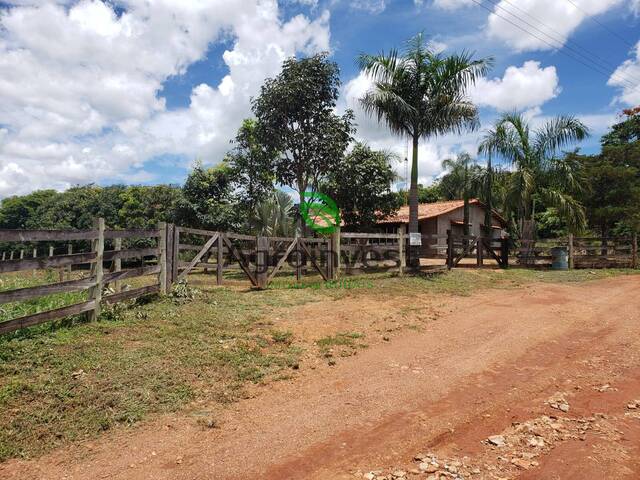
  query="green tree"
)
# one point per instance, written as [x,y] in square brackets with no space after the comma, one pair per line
[207,199]
[296,121]
[538,172]
[272,216]
[252,164]
[460,182]
[625,132]
[418,94]
[19,211]
[431,193]
[361,187]
[145,206]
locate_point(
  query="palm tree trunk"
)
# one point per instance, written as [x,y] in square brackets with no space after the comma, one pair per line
[488,214]
[414,251]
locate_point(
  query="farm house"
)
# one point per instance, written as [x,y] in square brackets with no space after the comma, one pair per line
[438,217]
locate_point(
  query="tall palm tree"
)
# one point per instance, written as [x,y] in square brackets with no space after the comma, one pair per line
[537,170]
[461,182]
[419,93]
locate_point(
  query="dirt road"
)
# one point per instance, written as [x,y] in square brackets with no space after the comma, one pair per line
[552,370]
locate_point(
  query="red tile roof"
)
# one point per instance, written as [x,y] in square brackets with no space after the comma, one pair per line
[432,210]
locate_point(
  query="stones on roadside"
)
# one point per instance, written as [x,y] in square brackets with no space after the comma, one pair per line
[558,402]
[496,440]
[633,405]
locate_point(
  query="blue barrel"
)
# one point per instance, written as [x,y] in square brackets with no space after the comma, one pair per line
[559,258]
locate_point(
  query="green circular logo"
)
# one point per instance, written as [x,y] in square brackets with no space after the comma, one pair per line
[319,211]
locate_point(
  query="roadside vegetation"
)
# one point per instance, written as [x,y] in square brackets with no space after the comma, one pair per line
[72,380]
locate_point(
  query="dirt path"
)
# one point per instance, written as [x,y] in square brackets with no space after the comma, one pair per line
[485,367]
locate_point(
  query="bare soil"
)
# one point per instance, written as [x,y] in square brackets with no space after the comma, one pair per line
[467,368]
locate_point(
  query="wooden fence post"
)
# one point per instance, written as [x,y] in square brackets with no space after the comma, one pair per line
[117,264]
[634,250]
[219,259]
[401,249]
[449,249]
[35,254]
[4,255]
[11,255]
[479,252]
[170,247]
[504,252]
[95,293]
[571,262]
[335,253]
[21,254]
[298,260]
[162,258]
[175,267]
[69,252]
[262,260]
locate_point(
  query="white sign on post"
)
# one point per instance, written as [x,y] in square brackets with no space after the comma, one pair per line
[415,239]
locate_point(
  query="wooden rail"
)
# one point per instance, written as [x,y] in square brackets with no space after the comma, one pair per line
[98,278]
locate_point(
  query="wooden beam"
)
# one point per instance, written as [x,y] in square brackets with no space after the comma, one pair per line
[220,259]
[162,259]
[141,233]
[313,260]
[46,262]
[22,294]
[282,261]
[131,294]
[95,293]
[131,273]
[45,235]
[240,258]
[198,256]
[37,318]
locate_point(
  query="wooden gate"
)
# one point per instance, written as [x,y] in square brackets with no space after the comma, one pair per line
[254,255]
[470,246]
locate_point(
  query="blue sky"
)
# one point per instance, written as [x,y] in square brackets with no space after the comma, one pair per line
[133,91]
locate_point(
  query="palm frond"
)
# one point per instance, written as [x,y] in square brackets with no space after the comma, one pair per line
[558,133]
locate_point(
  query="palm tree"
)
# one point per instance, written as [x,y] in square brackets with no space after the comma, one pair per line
[418,94]
[272,216]
[461,181]
[537,170]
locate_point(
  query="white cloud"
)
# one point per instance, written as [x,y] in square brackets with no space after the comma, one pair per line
[86,106]
[626,78]
[520,88]
[371,6]
[452,4]
[555,18]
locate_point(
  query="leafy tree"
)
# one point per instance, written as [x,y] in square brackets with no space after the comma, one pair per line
[144,207]
[296,120]
[612,197]
[431,193]
[625,132]
[252,165]
[460,182]
[272,216]
[361,187]
[208,200]
[19,212]
[419,93]
[537,170]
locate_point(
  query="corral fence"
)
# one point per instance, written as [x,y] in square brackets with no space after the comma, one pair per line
[101,246]
[102,259]
[582,252]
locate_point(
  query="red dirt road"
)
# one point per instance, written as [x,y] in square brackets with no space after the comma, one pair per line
[487,367]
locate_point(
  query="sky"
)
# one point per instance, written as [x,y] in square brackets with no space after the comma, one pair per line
[134,91]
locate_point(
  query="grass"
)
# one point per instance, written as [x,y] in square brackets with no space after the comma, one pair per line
[342,344]
[70,380]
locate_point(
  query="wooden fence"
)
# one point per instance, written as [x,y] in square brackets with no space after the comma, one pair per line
[95,258]
[169,253]
[583,252]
